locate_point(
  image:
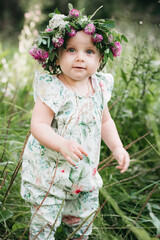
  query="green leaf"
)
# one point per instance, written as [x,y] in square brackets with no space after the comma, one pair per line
[18,226]
[82,10]
[110,55]
[123,75]
[51,15]
[51,48]
[70,6]
[109,24]
[57,11]
[5,214]
[68,28]
[51,56]
[49,41]
[84,24]
[105,57]
[44,41]
[74,25]
[124,38]
[155,221]
[40,40]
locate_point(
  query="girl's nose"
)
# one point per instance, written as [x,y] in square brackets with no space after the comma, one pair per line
[80,57]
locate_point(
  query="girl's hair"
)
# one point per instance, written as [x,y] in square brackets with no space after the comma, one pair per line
[62,27]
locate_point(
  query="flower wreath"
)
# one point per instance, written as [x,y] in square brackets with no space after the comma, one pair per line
[62,27]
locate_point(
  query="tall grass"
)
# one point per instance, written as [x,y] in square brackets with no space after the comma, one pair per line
[131,209]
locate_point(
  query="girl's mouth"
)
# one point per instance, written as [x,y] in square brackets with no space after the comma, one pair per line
[80,68]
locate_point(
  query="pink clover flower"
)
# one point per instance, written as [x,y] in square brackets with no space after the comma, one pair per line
[72,33]
[39,54]
[74,13]
[97,38]
[59,42]
[90,28]
[116,50]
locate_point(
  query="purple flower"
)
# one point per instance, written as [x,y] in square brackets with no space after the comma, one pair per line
[49,30]
[59,42]
[39,54]
[72,33]
[74,13]
[90,28]
[97,38]
[116,50]
[110,38]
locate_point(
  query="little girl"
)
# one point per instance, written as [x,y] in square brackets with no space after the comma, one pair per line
[69,119]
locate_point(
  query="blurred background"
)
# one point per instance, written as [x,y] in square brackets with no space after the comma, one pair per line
[12,12]
[133,203]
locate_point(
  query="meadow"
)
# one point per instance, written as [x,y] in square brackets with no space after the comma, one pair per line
[129,202]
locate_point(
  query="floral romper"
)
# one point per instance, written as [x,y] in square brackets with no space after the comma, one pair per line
[76,118]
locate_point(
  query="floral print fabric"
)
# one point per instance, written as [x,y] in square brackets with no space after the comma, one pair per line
[73,213]
[78,118]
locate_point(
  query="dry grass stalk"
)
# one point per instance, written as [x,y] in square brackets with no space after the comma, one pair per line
[8,126]
[94,218]
[130,178]
[16,169]
[144,205]
[128,146]
[3,180]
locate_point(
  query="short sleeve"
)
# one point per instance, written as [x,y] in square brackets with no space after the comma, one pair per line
[48,89]
[106,82]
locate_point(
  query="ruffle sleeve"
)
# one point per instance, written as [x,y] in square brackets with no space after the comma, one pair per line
[106,82]
[48,89]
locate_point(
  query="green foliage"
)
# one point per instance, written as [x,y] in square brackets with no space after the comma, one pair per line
[132,208]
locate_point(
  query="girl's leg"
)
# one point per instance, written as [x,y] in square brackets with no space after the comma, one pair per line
[43,220]
[76,211]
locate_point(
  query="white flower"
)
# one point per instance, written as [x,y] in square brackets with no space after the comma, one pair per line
[56,37]
[57,21]
[83,19]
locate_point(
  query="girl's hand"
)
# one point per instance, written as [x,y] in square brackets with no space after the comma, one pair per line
[71,150]
[122,156]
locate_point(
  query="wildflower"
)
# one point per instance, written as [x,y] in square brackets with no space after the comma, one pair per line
[116,50]
[74,13]
[97,38]
[38,54]
[58,42]
[57,22]
[72,33]
[110,38]
[48,30]
[90,28]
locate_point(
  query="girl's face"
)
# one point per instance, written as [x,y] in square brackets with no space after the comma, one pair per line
[80,59]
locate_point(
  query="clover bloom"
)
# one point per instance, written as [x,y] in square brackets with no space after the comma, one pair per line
[97,38]
[39,54]
[59,42]
[90,28]
[74,13]
[110,38]
[72,33]
[116,50]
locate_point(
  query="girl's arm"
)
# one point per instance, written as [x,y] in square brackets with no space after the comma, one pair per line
[112,140]
[41,129]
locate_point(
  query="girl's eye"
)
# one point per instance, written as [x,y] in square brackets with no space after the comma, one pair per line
[90,51]
[71,50]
